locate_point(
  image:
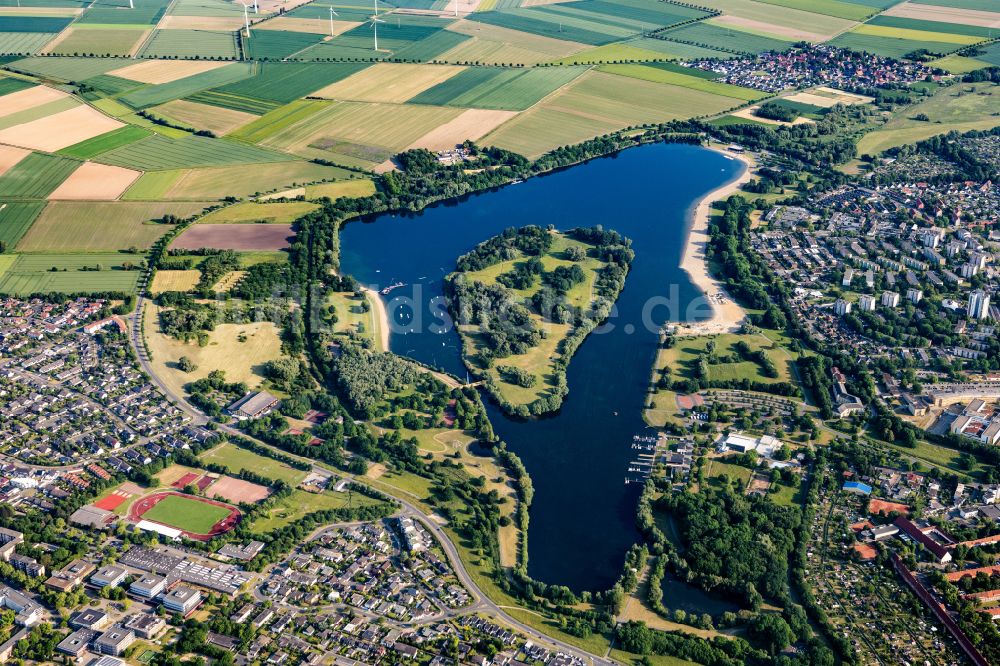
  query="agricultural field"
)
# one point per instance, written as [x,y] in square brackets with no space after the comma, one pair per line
[725,38]
[498,88]
[237,459]
[276,83]
[259,213]
[56,130]
[593,22]
[95,182]
[189,85]
[9,85]
[217,44]
[145,12]
[156,153]
[471,125]
[345,188]
[599,102]
[157,72]
[214,119]
[23,43]
[36,176]
[278,44]
[16,218]
[218,183]
[70,273]
[98,227]
[844,10]
[97,41]
[957,108]
[171,280]
[243,238]
[240,350]
[793,23]
[403,37]
[497,45]
[666,74]
[387,82]
[358,133]
[68,69]
[897,36]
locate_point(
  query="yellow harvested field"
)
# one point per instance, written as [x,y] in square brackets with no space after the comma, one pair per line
[59,39]
[95,182]
[9,156]
[29,98]
[826,101]
[312,26]
[60,130]
[472,124]
[284,194]
[843,97]
[201,22]
[748,113]
[786,16]
[770,29]
[204,116]
[165,71]
[981,18]
[241,361]
[385,82]
[344,188]
[495,44]
[175,280]
[915,35]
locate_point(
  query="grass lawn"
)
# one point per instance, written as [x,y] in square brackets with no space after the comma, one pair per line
[683,357]
[787,495]
[961,107]
[260,213]
[301,503]
[186,514]
[353,319]
[937,456]
[717,469]
[237,459]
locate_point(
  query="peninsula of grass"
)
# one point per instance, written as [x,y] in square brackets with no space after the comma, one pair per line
[524,301]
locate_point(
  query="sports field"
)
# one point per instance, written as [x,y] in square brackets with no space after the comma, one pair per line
[184,512]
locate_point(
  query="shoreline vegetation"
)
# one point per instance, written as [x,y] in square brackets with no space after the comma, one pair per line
[727,315]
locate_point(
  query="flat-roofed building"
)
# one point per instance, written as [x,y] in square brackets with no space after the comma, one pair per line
[148,586]
[182,599]
[253,405]
[145,625]
[70,576]
[27,565]
[77,643]
[9,539]
[114,641]
[89,618]
[111,575]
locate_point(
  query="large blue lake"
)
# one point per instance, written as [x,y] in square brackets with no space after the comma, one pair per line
[582,517]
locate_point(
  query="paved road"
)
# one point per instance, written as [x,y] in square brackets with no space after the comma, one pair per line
[482,603]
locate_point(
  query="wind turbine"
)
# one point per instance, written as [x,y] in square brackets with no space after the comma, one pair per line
[375,21]
[246,17]
[254,6]
[332,14]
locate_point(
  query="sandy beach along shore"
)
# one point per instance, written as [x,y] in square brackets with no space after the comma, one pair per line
[727,315]
[380,317]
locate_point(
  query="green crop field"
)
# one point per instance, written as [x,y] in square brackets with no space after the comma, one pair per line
[249,212]
[677,50]
[186,513]
[111,85]
[23,43]
[725,38]
[37,112]
[237,459]
[159,152]
[990,54]
[70,273]
[189,85]
[276,83]
[935,26]
[591,21]
[220,182]
[892,47]
[844,10]
[979,5]
[68,69]
[33,23]
[277,120]
[105,226]
[495,88]
[145,12]
[393,37]
[89,148]
[431,47]
[684,80]
[99,42]
[36,176]
[191,43]
[9,85]
[278,44]
[347,10]
[16,218]
[205,8]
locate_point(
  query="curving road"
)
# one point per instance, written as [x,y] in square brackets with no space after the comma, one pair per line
[481,603]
